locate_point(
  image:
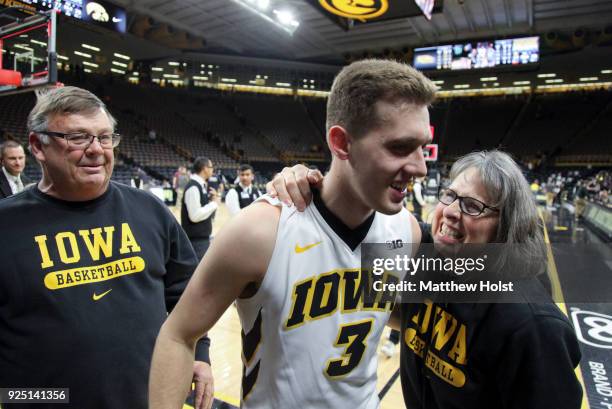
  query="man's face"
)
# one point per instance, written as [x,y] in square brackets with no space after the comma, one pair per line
[209,170]
[13,160]
[385,159]
[246,177]
[81,173]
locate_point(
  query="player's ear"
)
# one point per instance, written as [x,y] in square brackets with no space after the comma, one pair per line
[339,142]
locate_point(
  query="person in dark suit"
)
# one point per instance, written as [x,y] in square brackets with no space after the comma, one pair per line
[12,180]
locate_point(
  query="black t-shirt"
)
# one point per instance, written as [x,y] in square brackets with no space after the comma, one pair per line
[84,289]
[503,356]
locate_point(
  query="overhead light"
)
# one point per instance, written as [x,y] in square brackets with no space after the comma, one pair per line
[253,82]
[115,70]
[120,64]
[228,79]
[83,54]
[135,73]
[547,75]
[156,69]
[90,47]
[438,82]
[195,77]
[584,79]
[485,79]
[265,77]
[283,84]
[282,19]
[171,76]
[90,64]
[521,82]
[312,81]
[496,84]
[460,86]
[555,81]
[87,70]
[23,47]
[174,63]
[285,17]
[42,44]
[125,57]
[606,71]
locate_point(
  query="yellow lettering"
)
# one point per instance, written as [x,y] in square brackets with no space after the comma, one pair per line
[128,242]
[458,352]
[425,323]
[59,240]
[44,251]
[98,242]
[441,333]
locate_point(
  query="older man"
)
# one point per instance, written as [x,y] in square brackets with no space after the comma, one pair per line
[12,179]
[92,267]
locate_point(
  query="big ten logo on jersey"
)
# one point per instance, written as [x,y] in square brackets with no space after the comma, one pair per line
[447,342]
[593,328]
[344,292]
[395,244]
[88,246]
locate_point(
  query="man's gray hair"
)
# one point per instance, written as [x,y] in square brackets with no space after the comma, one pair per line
[509,191]
[62,101]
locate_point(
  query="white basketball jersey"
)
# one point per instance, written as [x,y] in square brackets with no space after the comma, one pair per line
[307,341]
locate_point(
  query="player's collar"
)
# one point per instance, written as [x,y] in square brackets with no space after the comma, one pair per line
[352,237]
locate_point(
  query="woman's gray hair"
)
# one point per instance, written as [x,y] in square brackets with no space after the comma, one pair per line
[61,101]
[519,223]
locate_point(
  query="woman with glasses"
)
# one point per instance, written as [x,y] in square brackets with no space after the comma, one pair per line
[485,355]
[488,355]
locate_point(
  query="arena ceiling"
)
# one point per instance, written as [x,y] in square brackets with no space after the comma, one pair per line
[230,28]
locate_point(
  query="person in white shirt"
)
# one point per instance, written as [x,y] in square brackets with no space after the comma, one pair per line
[418,202]
[12,180]
[199,206]
[244,193]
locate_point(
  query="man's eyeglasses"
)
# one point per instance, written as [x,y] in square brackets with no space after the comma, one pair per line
[468,205]
[82,140]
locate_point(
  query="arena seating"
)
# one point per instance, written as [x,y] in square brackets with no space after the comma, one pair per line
[266,130]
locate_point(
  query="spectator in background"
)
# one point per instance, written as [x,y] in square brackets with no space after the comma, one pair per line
[12,179]
[152,136]
[200,202]
[179,181]
[244,193]
[418,202]
[136,181]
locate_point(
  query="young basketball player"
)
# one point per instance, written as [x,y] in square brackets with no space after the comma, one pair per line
[307,341]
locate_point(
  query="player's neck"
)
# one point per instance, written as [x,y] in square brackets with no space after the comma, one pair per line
[343,202]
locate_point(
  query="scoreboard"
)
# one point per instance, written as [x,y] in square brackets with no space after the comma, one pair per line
[481,54]
[96,12]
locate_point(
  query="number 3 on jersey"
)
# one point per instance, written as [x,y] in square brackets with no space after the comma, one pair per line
[354,337]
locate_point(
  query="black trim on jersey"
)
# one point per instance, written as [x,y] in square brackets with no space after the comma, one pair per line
[352,237]
[248,381]
[251,340]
